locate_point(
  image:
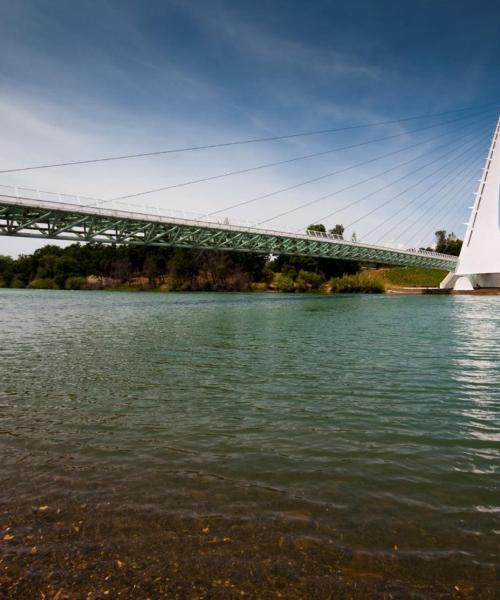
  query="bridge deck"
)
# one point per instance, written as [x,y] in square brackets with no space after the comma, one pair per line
[28,217]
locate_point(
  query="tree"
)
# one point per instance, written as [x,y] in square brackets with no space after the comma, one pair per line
[338,230]
[183,263]
[440,237]
[151,268]
[447,243]
[6,270]
[317,227]
[183,268]
[283,283]
[326,267]
[65,266]
[306,281]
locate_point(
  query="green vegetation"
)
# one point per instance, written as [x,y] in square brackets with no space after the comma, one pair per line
[98,266]
[358,283]
[303,274]
[42,283]
[283,283]
[75,283]
[337,230]
[317,227]
[308,281]
[448,243]
[413,277]
[135,268]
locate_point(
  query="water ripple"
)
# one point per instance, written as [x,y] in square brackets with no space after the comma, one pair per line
[381,414]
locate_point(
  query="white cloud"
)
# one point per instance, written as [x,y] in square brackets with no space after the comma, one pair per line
[132,97]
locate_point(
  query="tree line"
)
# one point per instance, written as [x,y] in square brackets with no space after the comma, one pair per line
[94,266]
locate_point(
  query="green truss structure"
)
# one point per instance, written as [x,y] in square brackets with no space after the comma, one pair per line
[27,217]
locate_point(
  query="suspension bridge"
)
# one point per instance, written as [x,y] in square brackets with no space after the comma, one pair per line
[446,164]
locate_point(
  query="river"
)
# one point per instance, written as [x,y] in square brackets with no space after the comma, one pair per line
[249,445]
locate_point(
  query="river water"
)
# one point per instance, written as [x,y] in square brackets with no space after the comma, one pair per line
[249,445]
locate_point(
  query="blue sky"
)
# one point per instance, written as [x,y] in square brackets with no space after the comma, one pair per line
[96,78]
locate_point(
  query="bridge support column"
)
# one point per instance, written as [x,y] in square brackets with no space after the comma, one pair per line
[463,284]
[479,260]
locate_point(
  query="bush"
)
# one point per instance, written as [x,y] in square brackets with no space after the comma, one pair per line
[75,283]
[307,281]
[17,283]
[283,283]
[179,284]
[43,283]
[356,284]
[205,286]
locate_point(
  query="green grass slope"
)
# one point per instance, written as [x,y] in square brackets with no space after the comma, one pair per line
[413,277]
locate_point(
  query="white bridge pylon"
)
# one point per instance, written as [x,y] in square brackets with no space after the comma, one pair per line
[479,260]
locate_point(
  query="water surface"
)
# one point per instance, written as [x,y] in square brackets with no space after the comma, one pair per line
[317,444]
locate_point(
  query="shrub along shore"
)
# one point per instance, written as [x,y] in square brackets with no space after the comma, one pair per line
[140,268]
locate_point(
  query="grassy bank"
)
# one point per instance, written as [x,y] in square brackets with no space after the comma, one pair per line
[397,277]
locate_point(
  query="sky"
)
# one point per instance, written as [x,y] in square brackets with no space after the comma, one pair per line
[87,79]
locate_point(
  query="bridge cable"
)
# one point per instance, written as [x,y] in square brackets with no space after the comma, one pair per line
[283,162]
[438,217]
[434,215]
[434,218]
[237,142]
[459,222]
[392,183]
[457,225]
[353,185]
[457,172]
[447,180]
[332,173]
[450,192]
[386,202]
[412,225]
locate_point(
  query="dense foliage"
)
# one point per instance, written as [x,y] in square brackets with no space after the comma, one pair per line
[95,266]
[448,243]
[98,266]
[359,283]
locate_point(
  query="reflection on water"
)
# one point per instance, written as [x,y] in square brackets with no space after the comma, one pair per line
[478,330]
[367,425]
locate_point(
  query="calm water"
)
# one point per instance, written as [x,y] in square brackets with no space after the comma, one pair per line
[367,427]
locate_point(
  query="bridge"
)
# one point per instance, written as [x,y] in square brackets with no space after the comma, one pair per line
[78,222]
[31,213]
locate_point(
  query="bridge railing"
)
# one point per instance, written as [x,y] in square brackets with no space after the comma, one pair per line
[337,237]
[122,205]
[138,211]
[90,202]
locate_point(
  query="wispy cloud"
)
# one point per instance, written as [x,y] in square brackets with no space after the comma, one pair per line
[100,78]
